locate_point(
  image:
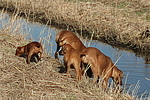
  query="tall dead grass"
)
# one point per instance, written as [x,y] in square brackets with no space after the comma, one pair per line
[41,80]
[122,23]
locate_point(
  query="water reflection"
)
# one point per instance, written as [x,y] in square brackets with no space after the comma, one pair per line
[137,73]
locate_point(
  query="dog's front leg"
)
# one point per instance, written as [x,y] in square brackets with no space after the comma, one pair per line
[28,58]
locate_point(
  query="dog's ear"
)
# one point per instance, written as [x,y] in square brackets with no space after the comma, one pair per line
[18,48]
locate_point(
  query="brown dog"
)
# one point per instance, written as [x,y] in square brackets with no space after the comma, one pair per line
[72,59]
[68,37]
[31,49]
[101,66]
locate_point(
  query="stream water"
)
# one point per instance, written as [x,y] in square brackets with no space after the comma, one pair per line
[136,72]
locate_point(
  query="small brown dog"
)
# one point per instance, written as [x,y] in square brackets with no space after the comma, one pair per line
[68,37]
[31,49]
[101,66]
[72,59]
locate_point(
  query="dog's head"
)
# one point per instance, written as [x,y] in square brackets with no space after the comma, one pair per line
[117,76]
[19,51]
[65,49]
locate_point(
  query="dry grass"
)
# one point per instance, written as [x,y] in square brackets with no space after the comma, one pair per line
[117,22]
[42,80]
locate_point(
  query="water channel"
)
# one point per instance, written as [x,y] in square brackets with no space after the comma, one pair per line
[136,72]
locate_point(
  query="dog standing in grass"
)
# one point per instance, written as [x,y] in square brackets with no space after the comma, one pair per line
[31,49]
[71,59]
[101,66]
[68,37]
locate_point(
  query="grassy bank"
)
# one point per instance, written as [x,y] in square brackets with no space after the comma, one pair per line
[121,23]
[42,80]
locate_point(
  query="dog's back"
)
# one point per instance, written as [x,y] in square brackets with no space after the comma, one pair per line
[34,47]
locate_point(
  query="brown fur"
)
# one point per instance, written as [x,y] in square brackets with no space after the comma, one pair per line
[68,37]
[101,66]
[30,49]
[72,58]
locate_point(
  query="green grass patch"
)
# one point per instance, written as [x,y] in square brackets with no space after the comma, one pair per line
[123,4]
[142,10]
